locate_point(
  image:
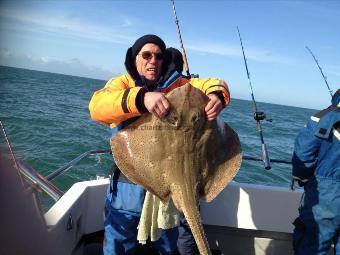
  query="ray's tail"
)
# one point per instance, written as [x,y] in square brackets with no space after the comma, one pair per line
[194,220]
[192,215]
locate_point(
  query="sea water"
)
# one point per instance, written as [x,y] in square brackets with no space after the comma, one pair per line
[48,124]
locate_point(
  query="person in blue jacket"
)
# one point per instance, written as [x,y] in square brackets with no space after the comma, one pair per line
[150,73]
[316,167]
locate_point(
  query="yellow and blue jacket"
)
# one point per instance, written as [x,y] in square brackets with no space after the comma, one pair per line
[119,100]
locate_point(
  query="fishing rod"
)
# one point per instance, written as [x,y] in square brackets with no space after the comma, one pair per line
[324,77]
[258,116]
[185,60]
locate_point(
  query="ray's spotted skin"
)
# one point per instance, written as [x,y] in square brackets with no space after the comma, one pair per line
[182,156]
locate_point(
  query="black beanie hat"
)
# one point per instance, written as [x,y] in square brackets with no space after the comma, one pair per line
[139,43]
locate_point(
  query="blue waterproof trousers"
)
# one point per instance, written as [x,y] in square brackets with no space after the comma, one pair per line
[318,225]
[123,206]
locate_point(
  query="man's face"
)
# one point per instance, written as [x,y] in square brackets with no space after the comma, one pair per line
[149,62]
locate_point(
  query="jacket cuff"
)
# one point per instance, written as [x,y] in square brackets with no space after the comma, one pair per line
[219,94]
[140,101]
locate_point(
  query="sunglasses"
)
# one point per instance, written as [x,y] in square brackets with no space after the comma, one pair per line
[147,55]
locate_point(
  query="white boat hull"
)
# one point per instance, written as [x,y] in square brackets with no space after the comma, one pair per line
[243,219]
[251,219]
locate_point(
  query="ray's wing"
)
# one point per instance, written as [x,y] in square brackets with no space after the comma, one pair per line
[222,158]
[139,154]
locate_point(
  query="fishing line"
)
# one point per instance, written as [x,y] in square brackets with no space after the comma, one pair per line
[185,60]
[324,77]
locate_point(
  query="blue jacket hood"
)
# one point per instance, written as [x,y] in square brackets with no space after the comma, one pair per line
[336,98]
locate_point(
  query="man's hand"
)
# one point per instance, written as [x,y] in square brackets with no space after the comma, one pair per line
[214,107]
[157,104]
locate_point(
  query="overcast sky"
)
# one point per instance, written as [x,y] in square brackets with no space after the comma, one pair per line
[90,38]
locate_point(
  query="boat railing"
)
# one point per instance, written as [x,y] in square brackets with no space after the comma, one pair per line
[74,161]
[38,181]
[44,183]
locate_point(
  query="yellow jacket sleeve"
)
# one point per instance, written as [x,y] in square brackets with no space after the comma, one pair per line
[115,102]
[210,85]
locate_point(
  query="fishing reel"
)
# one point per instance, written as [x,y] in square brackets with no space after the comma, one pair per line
[258,116]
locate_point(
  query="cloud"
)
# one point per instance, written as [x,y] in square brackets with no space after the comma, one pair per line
[116,31]
[72,26]
[69,25]
[259,55]
[71,67]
